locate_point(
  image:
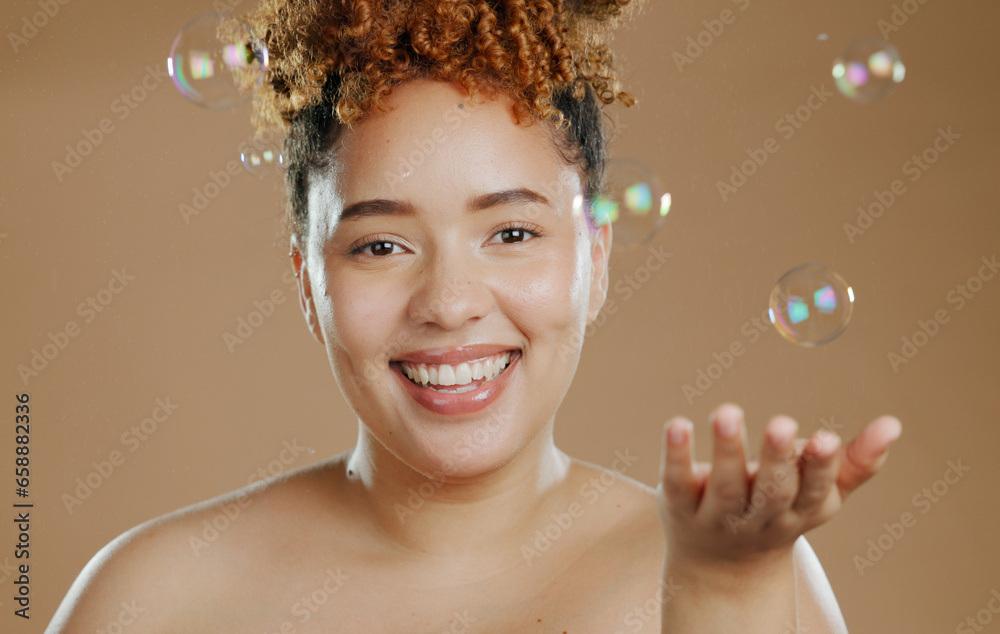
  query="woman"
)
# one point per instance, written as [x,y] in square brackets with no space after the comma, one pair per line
[445,261]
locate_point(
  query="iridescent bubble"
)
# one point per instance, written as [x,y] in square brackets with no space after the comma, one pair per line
[811,305]
[634,202]
[216,61]
[868,69]
[262,158]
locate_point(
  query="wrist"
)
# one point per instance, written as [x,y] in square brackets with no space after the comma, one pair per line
[724,574]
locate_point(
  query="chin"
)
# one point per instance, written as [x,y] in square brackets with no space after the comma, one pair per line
[460,454]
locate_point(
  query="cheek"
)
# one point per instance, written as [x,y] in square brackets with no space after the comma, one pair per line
[549,296]
[361,317]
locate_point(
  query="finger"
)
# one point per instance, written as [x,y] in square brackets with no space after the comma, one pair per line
[676,470]
[864,456]
[800,445]
[728,482]
[777,482]
[820,463]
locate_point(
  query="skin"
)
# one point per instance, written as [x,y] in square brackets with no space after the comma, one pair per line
[435,523]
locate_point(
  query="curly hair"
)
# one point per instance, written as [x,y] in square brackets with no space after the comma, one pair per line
[333,61]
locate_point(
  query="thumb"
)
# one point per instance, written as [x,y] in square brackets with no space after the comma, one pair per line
[864,456]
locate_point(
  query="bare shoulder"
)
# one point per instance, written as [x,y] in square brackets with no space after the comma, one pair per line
[166,574]
[625,512]
[629,504]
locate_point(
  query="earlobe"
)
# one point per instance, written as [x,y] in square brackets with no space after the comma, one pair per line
[600,253]
[305,289]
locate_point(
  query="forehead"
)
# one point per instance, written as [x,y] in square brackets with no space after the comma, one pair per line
[437,146]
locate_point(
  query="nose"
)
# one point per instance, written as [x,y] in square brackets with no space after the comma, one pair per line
[450,291]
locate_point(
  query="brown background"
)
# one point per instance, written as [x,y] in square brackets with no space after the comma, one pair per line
[162,336]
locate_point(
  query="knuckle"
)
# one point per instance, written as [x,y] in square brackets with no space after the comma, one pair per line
[728,489]
[674,488]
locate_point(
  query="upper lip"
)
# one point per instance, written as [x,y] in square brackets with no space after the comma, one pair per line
[454,355]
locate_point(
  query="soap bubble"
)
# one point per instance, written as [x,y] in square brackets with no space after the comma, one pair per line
[634,202]
[262,158]
[216,61]
[868,69]
[811,305]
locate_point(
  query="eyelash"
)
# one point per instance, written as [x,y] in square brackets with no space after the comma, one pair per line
[357,248]
[534,231]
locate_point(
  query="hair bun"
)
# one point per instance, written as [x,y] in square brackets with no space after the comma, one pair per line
[528,48]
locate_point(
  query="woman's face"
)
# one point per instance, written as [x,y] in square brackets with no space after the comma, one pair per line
[450,277]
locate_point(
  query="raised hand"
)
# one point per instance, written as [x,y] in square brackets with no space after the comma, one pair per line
[734,513]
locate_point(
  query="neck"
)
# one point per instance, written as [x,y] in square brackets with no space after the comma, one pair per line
[488,517]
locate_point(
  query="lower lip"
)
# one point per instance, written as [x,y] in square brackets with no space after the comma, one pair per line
[452,404]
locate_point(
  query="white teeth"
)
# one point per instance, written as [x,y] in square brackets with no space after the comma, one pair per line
[446,374]
[461,375]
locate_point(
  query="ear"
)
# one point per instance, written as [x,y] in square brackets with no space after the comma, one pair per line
[305,289]
[600,253]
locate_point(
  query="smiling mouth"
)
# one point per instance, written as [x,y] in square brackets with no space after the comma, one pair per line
[457,378]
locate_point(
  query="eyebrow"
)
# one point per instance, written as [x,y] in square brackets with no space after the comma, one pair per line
[387,207]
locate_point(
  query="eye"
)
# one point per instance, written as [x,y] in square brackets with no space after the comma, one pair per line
[514,233]
[377,247]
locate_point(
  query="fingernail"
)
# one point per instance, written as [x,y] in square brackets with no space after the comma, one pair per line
[727,427]
[825,439]
[897,432]
[676,434]
[781,433]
